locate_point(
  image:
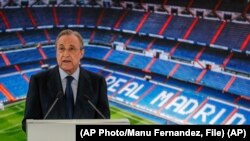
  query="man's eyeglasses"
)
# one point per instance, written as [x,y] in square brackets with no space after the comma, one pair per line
[71,50]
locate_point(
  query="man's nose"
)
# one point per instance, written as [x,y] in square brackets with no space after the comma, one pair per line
[66,52]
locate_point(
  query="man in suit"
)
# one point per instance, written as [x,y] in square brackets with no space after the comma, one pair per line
[76,84]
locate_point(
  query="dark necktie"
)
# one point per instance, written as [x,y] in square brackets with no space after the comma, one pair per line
[69,97]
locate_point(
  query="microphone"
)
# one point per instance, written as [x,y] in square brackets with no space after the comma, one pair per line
[93,106]
[58,96]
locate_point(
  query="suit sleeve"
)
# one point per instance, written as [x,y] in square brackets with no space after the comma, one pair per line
[32,106]
[103,103]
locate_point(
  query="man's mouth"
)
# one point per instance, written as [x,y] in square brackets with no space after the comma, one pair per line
[66,61]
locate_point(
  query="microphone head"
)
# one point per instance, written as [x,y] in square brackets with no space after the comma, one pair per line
[86,97]
[93,106]
[59,95]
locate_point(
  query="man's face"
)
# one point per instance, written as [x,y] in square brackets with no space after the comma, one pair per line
[69,53]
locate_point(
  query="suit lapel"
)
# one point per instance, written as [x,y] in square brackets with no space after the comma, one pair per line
[84,88]
[54,82]
[55,86]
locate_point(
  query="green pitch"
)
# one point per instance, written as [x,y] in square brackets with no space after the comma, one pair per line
[11,117]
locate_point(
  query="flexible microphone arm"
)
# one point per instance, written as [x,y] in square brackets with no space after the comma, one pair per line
[93,106]
[58,96]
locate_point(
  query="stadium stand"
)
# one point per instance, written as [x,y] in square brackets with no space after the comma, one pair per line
[173,60]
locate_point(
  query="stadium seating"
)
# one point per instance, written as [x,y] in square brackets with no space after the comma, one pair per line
[127,45]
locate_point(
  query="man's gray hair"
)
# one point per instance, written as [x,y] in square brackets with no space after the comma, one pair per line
[71,32]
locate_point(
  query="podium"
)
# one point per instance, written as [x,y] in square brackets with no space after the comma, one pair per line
[63,130]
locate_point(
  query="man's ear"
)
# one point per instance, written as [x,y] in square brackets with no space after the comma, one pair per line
[82,53]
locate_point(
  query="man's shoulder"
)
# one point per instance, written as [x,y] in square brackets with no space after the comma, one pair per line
[44,74]
[92,75]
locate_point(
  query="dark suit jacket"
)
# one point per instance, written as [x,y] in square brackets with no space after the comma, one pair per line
[43,89]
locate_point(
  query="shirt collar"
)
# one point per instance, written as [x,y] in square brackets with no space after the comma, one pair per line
[75,75]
